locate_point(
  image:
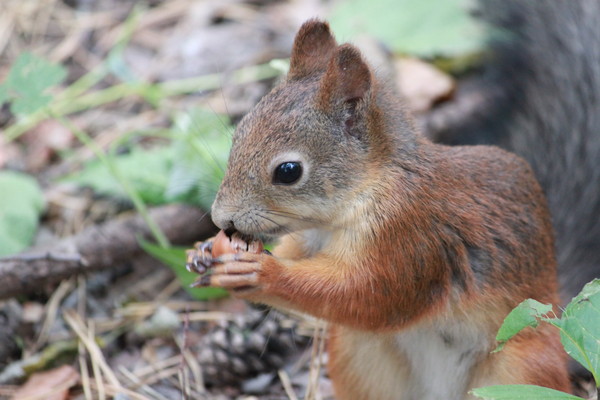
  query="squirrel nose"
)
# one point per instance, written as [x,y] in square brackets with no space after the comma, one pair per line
[222,218]
[223,222]
[229,228]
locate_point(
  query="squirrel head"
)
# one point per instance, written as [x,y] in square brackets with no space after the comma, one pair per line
[306,149]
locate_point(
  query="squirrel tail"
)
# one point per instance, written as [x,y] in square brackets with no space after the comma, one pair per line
[544,80]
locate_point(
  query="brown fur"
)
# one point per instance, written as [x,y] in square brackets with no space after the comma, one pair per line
[389,237]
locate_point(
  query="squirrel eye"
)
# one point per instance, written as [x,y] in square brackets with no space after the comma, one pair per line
[287,173]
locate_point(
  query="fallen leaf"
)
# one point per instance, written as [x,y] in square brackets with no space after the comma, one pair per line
[10,154]
[421,84]
[48,385]
[44,141]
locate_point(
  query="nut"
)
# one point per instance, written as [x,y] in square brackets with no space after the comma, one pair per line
[224,244]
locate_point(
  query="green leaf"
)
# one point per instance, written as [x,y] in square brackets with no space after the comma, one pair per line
[201,150]
[146,170]
[521,392]
[425,28]
[580,328]
[27,82]
[528,313]
[21,205]
[175,259]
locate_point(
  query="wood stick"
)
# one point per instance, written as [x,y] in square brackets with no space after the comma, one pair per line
[98,247]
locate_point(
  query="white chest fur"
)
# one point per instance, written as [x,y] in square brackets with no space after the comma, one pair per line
[315,239]
[441,359]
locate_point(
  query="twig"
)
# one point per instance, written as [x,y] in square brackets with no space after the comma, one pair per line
[316,360]
[113,391]
[153,367]
[196,369]
[85,373]
[287,385]
[97,371]
[91,346]
[97,247]
[51,311]
[209,316]
[320,353]
[81,310]
[183,375]
[139,384]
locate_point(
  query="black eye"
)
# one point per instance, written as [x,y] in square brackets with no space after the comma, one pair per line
[287,173]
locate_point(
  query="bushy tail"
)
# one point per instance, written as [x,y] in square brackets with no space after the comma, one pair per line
[545,77]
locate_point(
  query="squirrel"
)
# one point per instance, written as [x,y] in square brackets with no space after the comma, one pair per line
[413,251]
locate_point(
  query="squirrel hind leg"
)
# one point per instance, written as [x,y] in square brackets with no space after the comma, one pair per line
[534,357]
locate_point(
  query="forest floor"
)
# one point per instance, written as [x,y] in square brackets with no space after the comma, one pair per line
[86,312]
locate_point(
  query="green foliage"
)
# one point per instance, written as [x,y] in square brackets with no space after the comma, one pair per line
[27,82]
[528,313]
[21,205]
[175,259]
[146,171]
[189,170]
[201,150]
[425,28]
[579,328]
[522,392]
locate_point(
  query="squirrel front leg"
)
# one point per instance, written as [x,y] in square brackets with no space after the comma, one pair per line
[322,286]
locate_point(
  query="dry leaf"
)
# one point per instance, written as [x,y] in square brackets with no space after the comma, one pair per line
[44,141]
[48,385]
[421,84]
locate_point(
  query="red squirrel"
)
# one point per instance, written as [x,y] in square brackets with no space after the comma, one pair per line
[414,252]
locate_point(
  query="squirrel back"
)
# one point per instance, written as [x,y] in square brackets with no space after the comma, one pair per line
[543,81]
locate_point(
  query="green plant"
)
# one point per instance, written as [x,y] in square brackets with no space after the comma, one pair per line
[187,169]
[21,205]
[32,90]
[579,328]
[27,83]
[426,28]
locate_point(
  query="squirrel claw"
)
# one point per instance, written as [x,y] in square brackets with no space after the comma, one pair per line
[204,247]
[198,262]
[202,281]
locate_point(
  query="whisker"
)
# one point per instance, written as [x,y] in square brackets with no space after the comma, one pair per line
[203,216]
[291,215]
[227,129]
[270,220]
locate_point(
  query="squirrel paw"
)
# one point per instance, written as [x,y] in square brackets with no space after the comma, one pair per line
[242,273]
[199,259]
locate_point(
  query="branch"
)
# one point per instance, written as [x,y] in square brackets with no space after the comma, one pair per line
[98,247]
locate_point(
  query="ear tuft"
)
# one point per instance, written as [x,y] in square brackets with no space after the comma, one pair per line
[348,77]
[313,46]
[345,88]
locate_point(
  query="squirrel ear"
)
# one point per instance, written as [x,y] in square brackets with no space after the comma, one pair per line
[346,82]
[312,49]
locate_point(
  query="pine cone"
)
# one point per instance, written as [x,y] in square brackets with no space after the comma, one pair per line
[254,343]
